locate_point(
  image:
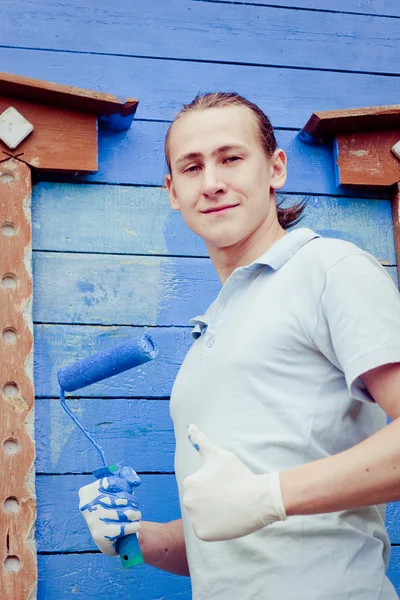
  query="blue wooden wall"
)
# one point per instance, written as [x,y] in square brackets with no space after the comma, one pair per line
[111,260]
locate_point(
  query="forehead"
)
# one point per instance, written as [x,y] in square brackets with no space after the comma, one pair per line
[204,130]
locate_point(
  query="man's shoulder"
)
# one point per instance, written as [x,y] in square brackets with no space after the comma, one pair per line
[326,252]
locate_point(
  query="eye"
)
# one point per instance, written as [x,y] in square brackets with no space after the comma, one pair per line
[232,159]
[191,169]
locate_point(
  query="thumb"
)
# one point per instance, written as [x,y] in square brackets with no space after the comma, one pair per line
[200,441]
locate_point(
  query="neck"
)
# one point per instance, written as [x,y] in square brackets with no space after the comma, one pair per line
[226,260]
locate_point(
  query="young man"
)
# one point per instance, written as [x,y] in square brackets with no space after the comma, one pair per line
[292,372]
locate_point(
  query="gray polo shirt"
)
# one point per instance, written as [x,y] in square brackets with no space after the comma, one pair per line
[273,375]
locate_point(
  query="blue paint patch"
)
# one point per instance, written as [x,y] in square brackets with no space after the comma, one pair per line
[85,287]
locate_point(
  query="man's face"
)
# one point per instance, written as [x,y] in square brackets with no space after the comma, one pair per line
[221,178]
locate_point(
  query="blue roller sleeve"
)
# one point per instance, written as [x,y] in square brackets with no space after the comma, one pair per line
[97,367]
[107,363]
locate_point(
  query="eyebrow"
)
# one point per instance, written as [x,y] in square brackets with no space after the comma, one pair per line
[220,150]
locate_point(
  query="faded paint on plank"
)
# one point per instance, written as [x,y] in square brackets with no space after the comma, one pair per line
[206,30]
[60,345]
[389,8]
[157,497]
[138,220]
[100,577]
[104,289]
[60,525]
[288,97]
[129,430]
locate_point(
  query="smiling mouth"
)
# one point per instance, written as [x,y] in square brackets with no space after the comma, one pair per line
[219,208]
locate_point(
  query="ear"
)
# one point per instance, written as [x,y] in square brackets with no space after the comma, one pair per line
[278,165]
[172,194]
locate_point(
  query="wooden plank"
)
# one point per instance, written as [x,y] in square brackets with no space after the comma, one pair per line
[288,96]
[139,220]
[388,8]
[396,224]
[94,575]
[65,530]
[63,96]
[100,577]
[205,31]
[56,346]
[325,124]
[117,290]
[129,430]
[364,158]
[62,140]
[18,573]
[138,158]
[121,290]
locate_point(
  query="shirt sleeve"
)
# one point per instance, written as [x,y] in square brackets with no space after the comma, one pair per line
[359,319]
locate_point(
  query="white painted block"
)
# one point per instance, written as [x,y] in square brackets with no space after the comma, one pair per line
[14,128]
[396,150]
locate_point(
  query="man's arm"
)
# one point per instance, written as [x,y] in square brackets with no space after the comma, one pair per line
[163,546]
[368,473]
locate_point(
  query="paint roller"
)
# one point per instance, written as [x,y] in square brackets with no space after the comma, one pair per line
[100,366]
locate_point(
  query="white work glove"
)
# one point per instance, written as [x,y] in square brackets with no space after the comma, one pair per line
[110,508]
[224,499]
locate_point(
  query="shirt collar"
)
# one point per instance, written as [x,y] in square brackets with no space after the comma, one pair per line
[285,248]
[275,257]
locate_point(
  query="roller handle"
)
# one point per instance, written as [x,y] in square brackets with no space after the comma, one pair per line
[107,363]
[129,551]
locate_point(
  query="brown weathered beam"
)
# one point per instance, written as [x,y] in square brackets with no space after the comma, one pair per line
[62,139]
[18,572]
[326,124]
[364,158]
[65,96]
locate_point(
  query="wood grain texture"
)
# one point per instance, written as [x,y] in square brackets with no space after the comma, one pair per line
[62,96]
[130,431]
[365,159]
[62,140]
[139,220]
[121,290]
[158,501]
[67,532]
[16,384]
[56,346]
[205,31]
[100,577]
[288,96]
[92,577]
[389,8]
[116,290]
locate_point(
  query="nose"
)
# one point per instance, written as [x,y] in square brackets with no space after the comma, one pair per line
[213,185]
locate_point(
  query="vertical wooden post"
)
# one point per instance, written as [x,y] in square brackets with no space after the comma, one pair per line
[396,224]
[18,571]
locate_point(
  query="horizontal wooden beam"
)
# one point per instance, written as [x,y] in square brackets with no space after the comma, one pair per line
[65,96]
[323,125]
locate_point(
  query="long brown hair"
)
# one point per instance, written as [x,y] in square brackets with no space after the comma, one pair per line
[287,217]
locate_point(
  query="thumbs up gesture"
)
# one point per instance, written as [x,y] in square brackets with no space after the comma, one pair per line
[226,500]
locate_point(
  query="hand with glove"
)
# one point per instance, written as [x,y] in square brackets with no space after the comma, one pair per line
[110,508]
[224,499]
